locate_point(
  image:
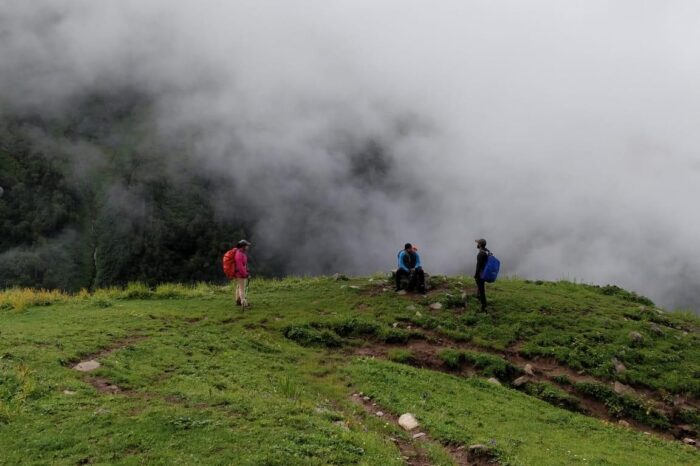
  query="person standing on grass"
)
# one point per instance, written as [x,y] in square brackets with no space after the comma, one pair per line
[481,258]
[241,273]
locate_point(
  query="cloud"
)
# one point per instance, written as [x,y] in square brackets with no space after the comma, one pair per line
[565,133]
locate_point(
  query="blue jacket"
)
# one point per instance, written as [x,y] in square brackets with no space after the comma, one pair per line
[405,260]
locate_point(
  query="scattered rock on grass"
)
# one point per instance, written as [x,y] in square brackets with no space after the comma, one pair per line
[419,435]
[435,306]
[620,388]
[340,277]
[68,392]
[619,367]
[520,381]
[401,292]
[623,423]
[408,421]
[379,414]
[87,366]
[656,330]
[528,369]
[689,441]
[635,337]
[410,308]
[494,381]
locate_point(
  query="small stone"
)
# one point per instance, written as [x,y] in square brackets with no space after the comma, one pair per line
[435,306]
[401,292]
[379,414]
[494,381]
[418,435]
[410,308]
[656,330]
[520,381]
[619,367]
[478,450]
[635,337]
[528,369]
[623,423]
[620,388]
[354,287]
[355,395]
[342,424]
[689,441]
[339,277]
[366,398]
[68,392]
[395,324]
[87,366]
[408,421]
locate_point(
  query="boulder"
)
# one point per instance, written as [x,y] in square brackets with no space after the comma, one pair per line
[408,421]
[435,306]
[494,381]
[623,423]
[87,366]
[340,277]
[689,441]
[528,369]
[656,330]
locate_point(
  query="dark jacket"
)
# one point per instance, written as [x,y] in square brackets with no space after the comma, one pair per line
[481,260]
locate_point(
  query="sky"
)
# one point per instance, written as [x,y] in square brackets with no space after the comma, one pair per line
[565,133]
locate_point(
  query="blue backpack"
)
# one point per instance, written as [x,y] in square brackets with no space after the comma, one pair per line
[490,272]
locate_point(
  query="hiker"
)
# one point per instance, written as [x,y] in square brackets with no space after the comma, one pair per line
[481,258]
[236,268]
[410,266]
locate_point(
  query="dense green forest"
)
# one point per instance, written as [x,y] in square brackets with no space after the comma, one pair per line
[88,200]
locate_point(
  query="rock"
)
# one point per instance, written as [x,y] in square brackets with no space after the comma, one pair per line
[354,287]
[623,423]
[620,388]
[520,381]
[408,421]
[410,308]
[395,324]
[528,369]
[366,398]
[684,430]
[418,314]
[340,277]
[87,366]
[478,451]
[494,381]
[689,441]
[619,367]
[68,392]
[435,306]
[635,337]
[656,330]
[342,424]
[401,292]
[418,435]
[379,414]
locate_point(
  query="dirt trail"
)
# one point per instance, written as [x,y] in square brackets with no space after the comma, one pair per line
[425,355]
[412,450]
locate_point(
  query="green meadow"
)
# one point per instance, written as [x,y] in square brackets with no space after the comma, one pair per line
[188,378]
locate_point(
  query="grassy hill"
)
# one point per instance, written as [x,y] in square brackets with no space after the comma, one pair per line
[553,374]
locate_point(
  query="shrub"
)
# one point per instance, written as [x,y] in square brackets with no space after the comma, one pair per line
[553,395]
[308,336]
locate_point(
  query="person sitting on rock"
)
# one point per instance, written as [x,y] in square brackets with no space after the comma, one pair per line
[410,266]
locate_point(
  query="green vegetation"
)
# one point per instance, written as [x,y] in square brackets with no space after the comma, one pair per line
[188,378]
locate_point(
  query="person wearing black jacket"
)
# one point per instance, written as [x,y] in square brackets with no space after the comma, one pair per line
[481,258]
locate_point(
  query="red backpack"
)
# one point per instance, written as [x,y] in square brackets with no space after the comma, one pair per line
[230,263]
